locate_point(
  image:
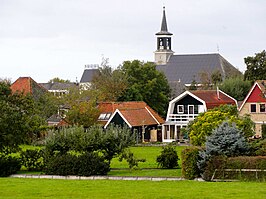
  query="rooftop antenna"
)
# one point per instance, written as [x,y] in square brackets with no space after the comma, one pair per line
[218,49]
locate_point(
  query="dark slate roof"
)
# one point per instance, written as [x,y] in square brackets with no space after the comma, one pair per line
[164,29]
[186,68]
[59,85]
[88,75]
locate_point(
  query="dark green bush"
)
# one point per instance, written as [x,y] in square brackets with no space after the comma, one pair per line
[83,165]
[92,164]
[32,159]
[258,147]
[189,158]
[168,158]
[62,164]
[263,131]
[9,165]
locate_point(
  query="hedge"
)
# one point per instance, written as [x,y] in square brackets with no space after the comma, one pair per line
[189,158]
[9,165]
[86,164]
[244,168]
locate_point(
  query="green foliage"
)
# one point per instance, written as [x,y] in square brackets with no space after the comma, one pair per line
[216,77]
[256,66]
[19,119]
[226,140]
[86,164]
[9,165]
[57,79]
[32,159]
[109,83]
[168,158]
[83,109]
[147,84]
[236,87]
[190,158]
[202,127]
[109,142]
[132,161]
[258,147]
[263,131]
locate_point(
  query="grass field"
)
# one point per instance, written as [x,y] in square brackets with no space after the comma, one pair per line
[147,168]
[44,188]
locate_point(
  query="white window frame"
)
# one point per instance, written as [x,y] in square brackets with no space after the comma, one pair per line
[182,107]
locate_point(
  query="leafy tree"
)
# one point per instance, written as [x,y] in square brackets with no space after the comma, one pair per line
[82,107]
[216,77]
[225,140]
[236,87]
[193,85]
[147,84]
[57,79]
[256,66]
[110,83]
[18,119]
[202,127]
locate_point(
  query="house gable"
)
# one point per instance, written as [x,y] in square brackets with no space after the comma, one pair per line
[256,95]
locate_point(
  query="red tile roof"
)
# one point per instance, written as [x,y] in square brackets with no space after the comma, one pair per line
[136,113]
[213,98]
[26,85]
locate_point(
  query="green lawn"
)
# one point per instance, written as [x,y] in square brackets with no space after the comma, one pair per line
[148,168]
[45,188]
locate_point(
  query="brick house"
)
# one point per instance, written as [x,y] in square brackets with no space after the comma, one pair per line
[255,105]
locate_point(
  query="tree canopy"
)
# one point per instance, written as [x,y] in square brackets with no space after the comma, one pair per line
[236,87]
[147,84]
[57,79]
[19,118]
[256,66]
[202,127]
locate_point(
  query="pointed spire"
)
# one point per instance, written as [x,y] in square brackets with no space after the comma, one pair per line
[164,29]
[164,24]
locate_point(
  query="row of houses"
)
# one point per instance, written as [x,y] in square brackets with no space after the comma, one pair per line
[147,124]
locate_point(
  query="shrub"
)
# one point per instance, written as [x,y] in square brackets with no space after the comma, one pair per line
[189,158]
[9,165]
[263,131]
[168,158]
[32,159]
[225,140]
[83,165]
[132,161]
[92,164]
[215,162]
[258,147]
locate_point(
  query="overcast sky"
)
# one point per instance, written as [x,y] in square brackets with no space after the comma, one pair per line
[56,38]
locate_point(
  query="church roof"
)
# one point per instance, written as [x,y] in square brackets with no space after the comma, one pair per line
[164,29]
[186,68]
[88,75]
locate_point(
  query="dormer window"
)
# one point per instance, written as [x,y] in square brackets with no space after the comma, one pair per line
[253,108]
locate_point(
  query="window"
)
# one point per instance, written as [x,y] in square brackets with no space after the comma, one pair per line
[262,108]
[253,108]
[180,109]
[196,109]
[191,109]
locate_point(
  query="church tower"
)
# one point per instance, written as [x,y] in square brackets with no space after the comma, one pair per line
[163,52]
